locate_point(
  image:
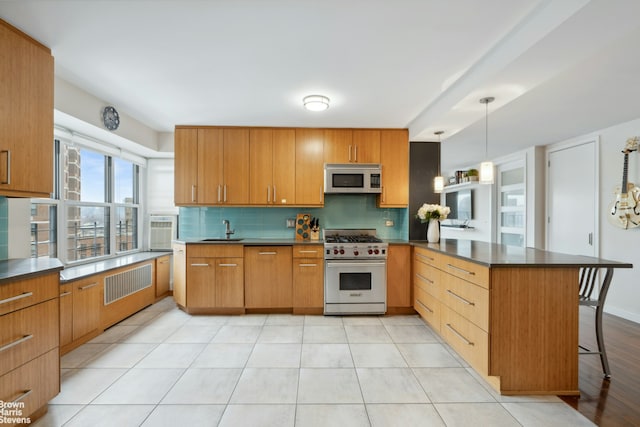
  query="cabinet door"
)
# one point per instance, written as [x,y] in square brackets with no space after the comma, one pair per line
[309,167]
[66,315]
[399,276]
[308,283]
[201,274]
[366,146]
[260,166]
[180,275]
[229,282]
[338,146]
[186,166]
[26,121]
[284,167]
[394,152]
[163,274]
[87,304]
[268,277]
[210,166]
[236,166]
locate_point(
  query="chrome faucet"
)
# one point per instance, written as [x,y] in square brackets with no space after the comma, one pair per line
[228,231]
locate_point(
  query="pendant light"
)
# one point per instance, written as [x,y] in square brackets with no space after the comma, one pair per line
[438,181]
[486,167]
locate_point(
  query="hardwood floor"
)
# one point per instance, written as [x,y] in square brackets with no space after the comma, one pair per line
[614,402]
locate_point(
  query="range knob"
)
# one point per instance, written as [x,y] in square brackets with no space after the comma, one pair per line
[341,251]
[370,251]
[355,252]
[335,251]
[376,251]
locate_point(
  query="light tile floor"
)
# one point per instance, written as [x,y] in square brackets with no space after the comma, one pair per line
[163,367]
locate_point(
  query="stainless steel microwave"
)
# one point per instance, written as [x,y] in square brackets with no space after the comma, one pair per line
[352,178]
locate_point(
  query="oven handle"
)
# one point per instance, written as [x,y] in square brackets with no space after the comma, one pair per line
[355,264]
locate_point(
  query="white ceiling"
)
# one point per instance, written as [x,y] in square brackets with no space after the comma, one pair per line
[558,68]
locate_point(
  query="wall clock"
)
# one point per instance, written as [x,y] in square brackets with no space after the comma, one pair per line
[110,118]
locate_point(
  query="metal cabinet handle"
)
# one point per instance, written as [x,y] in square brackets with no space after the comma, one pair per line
[308,265]
[355,153]
[274,194]
[82,288]
[425,307]
[65,294]
[219,190]
[320,199]
[420,276]
[462,337]
[17,297]
[466,301]
[307,252]
[425,257]
[193,193]
[267,253]
[199,265]
[227,265]
[22,396]
[225,194]
[462,270]
[268,194]
[15,343]
[349,152]
[8,180]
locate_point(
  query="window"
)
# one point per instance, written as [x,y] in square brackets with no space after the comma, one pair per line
[98,203]
[512,204]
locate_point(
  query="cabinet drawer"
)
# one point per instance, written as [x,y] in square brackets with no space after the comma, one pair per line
[426,256]
[428,307]
[308,251]
[467,299]
[466,270]
[428,279]
[23,293]
[215,251]
[33,383]
[469,341]
[27,333]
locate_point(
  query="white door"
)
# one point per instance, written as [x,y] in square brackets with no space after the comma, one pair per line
[572,199]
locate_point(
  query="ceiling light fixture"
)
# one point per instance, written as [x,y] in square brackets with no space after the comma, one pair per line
[315,102]
[486,167]
[438,181]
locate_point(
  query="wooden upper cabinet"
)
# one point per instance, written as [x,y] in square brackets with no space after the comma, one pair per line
[210,166]
[235,190]
[185,149]
[338,145]
[394,155]
[309,167]
[272,166]
[26,119]
[366,146]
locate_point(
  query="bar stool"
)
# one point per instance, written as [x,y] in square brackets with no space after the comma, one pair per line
[592,297]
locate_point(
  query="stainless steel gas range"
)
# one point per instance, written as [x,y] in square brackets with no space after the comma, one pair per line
[355,272]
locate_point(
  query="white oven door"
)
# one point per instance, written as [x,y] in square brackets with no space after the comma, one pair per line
[355,282]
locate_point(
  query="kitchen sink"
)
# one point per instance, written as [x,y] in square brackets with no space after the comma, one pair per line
[221,239]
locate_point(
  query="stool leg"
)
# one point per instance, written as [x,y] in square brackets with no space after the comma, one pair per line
[601,347]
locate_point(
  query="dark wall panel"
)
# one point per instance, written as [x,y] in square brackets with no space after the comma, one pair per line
[424,158]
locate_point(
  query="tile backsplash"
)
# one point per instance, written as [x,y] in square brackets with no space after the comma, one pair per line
[339,211]
[4,228]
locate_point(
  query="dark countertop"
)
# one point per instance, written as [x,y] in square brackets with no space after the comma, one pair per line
[80,271]
[252,242]
[494,255]
[15,269]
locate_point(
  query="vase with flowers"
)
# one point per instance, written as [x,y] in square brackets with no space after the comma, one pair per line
[432,215]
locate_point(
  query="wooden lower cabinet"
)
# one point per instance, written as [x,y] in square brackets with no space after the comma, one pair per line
[66,314]
[87,305]
[208,278]
[308,279]
[398,278]
[268,277]
[29,344]
[516,326]
[163,276]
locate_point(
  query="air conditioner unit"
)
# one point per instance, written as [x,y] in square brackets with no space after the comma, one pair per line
[162,230]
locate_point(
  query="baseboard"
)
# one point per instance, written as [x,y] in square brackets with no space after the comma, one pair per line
[628,315]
